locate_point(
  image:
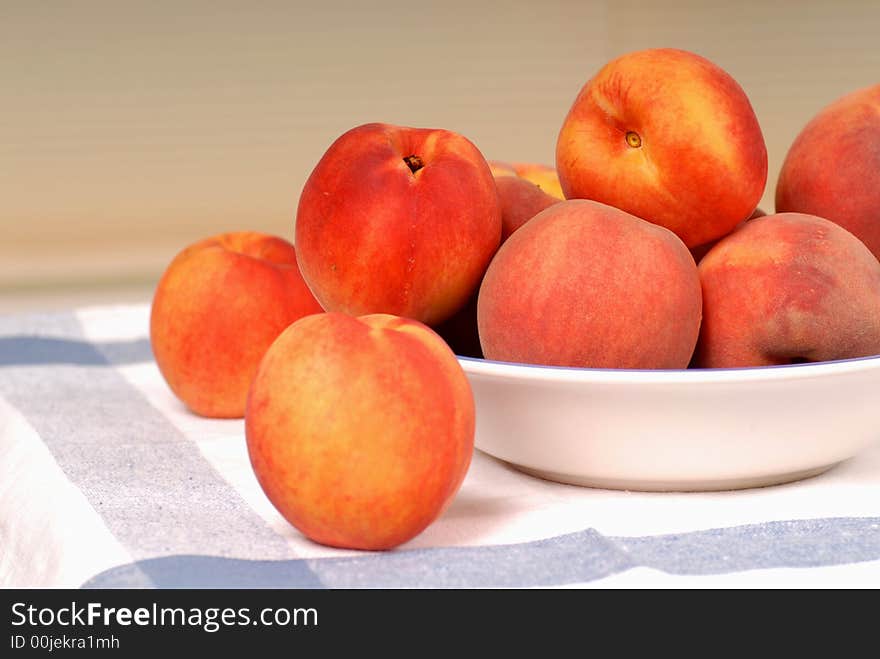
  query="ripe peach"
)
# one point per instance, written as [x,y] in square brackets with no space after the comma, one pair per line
[544,176]
[668,136]
[398,220]
[360,430]
[501,168]
[586,284]
[701,250]
[833,167]
[788,288]
[217,308]
[520,201]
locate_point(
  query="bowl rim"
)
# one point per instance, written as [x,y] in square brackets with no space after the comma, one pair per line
[542,372]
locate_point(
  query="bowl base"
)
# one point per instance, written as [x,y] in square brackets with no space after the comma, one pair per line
[684,485]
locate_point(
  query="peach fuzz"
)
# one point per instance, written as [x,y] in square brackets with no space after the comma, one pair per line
[668,136]
[398,220]
[586,284]
[833,167]
[218,306]
[788,288]
[360,430]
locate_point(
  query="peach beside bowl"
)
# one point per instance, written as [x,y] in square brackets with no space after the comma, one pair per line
[683,430]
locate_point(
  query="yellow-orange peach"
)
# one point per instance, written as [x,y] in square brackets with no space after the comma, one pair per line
[833,167]
[668,136]
[218,306]
[501,168]
[544,176]
[360,430]
[788,288]
[398,220]
[586,284]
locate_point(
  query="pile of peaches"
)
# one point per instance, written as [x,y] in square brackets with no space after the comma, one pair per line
[643,248]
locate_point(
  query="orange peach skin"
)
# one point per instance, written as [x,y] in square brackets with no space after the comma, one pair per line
[541,175]
[544,176]
[668,136]
[788,288]
[520,201]
[833,167]
[586,284]
[217,308]
[501,168]
[398,220]
[360,430]
[701,250]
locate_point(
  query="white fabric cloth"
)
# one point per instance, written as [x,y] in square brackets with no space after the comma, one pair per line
[106,480]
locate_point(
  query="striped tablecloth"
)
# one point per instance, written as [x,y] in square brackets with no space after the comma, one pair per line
[107,481]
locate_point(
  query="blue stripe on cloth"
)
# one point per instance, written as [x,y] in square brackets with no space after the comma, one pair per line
[567,559]
[190,571]
[42,351]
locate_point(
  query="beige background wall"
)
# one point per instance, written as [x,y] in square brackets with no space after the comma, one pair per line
[128,129]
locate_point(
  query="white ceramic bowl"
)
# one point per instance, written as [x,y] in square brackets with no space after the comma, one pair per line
[709,429]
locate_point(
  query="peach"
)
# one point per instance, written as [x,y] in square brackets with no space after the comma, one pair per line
[218,306]
[833,167]
[501,168]
[701,250]
[360,430]
[520,201]
[788,288]
[586,284]
[668,136]
[544,176]
[398,220]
